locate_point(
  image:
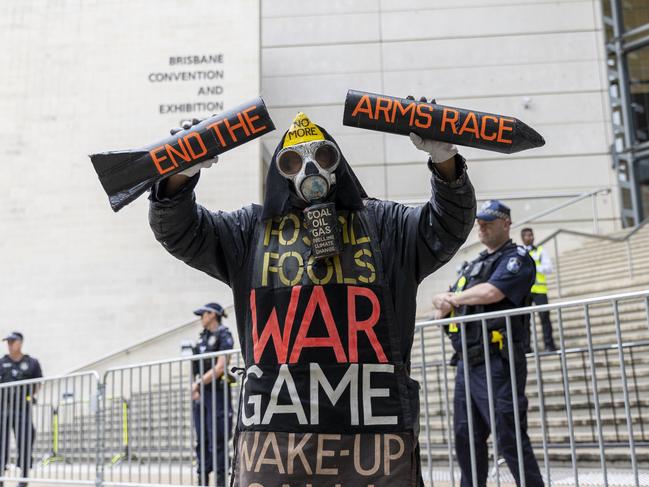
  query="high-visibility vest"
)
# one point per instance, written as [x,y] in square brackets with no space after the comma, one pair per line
[540,285]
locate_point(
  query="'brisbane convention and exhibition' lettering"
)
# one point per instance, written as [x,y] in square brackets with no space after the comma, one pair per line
[208,73]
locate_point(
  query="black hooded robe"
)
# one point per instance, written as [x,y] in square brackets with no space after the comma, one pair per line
[326,399]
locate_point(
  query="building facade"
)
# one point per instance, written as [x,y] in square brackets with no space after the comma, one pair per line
[77,277]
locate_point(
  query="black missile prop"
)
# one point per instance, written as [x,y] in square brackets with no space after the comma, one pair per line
[127,174]
[438,122]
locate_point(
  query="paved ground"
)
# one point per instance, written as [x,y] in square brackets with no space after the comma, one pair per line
[173,475]
[563,477]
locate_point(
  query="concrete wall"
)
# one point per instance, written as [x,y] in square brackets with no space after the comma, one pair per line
[489,55]
[78,280]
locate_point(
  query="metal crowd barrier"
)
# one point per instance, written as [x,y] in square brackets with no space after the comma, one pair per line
[151,425]
[139,426]
[588,404]
[48,429]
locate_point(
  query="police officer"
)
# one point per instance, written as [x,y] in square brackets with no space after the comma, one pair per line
[499,279]
[16,404]
[539,293]
[208,394]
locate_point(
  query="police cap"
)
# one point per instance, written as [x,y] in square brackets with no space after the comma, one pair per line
[14,335]
[211,307]
[491,210]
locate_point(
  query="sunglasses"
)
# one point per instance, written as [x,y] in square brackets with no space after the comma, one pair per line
[291,159]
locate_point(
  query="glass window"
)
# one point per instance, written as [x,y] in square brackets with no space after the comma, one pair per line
[638,66]
[627,200]
[642,179]
[634,13]
[606,8]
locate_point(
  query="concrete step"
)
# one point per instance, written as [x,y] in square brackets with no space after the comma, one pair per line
[588,243]
[587,456]
[604,255]
[560,434]
[613,285]
[583,279]
[592,248]
[603,259]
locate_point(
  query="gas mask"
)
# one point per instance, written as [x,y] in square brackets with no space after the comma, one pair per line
[310,166]
[309,162]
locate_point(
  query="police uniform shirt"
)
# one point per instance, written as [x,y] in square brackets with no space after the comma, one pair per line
[219,339]
[26,368]
[512,271]
[513,274]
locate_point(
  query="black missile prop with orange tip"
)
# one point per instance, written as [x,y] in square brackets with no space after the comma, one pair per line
[438,122]
[127,174]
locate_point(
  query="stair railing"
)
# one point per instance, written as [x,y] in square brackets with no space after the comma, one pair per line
[554,237]
[572,201]
[590,194]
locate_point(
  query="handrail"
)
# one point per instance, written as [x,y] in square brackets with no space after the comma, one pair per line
[554,236]
[135,346]
[40,380]
[580,197]
[173,360]
[595,235]
[564,205]
[527,196]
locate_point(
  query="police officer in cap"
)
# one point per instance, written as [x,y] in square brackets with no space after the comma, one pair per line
[208,394]
[499,279]
[16,404]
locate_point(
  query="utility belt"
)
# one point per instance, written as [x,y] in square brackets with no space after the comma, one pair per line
[475,352]
[228,378]
[497,345]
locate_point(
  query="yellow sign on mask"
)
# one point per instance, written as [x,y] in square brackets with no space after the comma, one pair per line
[302,130]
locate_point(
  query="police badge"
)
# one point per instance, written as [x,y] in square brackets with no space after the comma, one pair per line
[514,265]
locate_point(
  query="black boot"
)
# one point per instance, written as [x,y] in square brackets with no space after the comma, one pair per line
[25,473]
[205,482]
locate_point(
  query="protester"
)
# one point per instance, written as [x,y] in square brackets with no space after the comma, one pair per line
[499,279]
[324,282]
[16,404]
